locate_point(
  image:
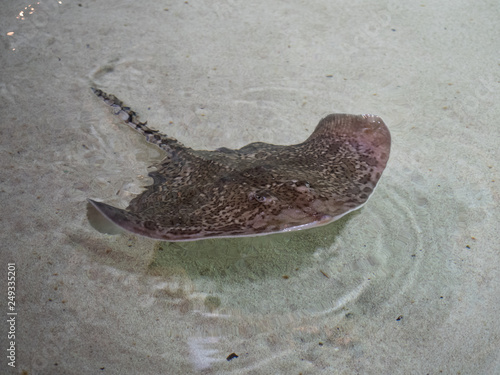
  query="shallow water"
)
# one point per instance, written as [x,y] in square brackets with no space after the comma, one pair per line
[407,284]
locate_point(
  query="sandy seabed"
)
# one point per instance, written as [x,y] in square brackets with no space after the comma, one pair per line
[409,284]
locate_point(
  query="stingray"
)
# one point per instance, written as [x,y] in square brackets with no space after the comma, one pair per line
[258,189]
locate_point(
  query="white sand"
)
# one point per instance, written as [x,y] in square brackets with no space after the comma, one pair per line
[407,285]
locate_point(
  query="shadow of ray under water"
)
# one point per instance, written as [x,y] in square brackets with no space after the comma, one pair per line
[244,259]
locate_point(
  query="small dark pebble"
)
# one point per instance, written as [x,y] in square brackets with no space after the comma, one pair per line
[231,356]
[399,318]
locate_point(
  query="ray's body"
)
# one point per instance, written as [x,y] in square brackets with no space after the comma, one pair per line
[260,188]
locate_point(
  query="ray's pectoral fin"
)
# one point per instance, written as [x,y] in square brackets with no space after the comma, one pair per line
[111,220]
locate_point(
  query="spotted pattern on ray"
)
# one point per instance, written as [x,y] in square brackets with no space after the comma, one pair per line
[260,188]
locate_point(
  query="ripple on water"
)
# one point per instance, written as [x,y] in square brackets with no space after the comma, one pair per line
[311,273]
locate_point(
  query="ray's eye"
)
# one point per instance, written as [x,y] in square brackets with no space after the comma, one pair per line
[303,183]
[260,196]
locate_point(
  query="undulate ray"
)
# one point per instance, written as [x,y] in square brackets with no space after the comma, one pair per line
[260,188]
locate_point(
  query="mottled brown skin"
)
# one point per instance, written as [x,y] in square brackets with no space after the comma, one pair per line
[258,189]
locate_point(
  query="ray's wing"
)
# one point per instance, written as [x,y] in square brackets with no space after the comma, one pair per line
[352,152]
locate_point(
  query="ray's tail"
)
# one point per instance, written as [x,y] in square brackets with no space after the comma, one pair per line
[131,118]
